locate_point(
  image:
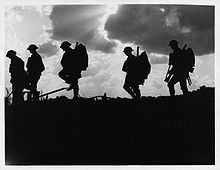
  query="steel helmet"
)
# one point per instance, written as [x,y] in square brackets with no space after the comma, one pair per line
[32,47]
[173,42]
[65,44]
[128,49]
[11,53]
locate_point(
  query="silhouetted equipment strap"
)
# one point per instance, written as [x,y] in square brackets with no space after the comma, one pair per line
[168,70]
[54,91]
[189,81]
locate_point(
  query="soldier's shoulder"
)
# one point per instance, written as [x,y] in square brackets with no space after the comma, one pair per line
[18,59]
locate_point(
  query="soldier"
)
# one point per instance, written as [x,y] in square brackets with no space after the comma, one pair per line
[35,67]
[179,71]
[131,84]
[18,76]
[71,71]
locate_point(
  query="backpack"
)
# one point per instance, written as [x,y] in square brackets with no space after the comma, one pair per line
[81,52]
[143,66]
[190,59]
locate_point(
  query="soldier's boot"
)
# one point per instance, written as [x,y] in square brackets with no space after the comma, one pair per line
[70,87]
[185,92]
[129,91]
[184,88]
[171,90]
[76,92]
[137,93]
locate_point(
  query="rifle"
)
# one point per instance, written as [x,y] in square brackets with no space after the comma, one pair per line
[138,50]
[168,75]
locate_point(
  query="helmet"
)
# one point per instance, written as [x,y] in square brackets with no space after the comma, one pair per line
[65,44]
[32,47]
[173,42]
[11,53]
[128,49]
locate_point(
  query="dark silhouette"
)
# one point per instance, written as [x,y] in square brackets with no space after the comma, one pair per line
[143,67]
[181,62]
[113,131]
[18,76]
[35,67]
[137,69]
[74,61]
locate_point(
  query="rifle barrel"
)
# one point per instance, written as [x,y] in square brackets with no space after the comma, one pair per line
[54,91]
[138,47]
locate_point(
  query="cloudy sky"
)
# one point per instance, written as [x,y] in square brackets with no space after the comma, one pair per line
[105,30]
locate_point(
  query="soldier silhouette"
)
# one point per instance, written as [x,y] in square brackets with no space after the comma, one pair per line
[71,71]
[179,71]
[18,76]
[131,84]
[35,67]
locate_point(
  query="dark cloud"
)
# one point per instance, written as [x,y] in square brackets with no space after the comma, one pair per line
[48,49]
[80,23]
[152,26]
[199,18]
[99,43]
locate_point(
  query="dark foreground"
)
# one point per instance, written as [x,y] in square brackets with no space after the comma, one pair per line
[151,131]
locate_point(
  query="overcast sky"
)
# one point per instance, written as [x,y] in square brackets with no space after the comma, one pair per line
[106,30]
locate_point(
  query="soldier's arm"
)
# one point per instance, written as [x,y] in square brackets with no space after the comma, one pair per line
[28,65]
[10,69]
[170,62]
[62,61]
[125,66]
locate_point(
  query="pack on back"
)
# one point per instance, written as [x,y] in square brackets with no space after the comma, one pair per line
[144,65]
[81,52]
[190,59]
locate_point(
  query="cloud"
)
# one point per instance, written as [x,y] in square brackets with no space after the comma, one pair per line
[48,49]
[43,10]
[158,58]
[12,43]
[29,22]
[80,23]
[153,26]
[94,70]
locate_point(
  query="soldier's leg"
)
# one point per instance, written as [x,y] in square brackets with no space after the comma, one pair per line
[28,86]
[14,94]
[63,75]
[34,81]
[31,82]
[74,85]
[21,96]
[127,87]
[75,88]
[183,86]
[17,94]
[136,90]
[171,84]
